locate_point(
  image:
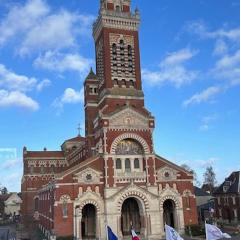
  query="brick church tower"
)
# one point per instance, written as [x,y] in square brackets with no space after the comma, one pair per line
[112,175]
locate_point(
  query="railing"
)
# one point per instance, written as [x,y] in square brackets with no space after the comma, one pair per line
[122,177]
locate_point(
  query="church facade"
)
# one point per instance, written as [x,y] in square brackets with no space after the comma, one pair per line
[112,176]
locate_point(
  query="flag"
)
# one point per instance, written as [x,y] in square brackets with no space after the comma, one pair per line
[214,233]
[110,234]
[171,233]
[134,235]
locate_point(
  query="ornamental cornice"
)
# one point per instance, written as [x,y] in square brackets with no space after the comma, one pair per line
[116,22]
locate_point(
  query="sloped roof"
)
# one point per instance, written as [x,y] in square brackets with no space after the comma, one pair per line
[76,139]
[199,192]
[44,154]
[232,183]
[4,197]
[91,75]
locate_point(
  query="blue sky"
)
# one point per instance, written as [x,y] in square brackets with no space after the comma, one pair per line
[190,58]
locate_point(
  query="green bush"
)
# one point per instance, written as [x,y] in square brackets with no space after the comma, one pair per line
[196,230]
[65,238]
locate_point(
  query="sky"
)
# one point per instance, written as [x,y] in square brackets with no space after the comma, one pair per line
[190,60]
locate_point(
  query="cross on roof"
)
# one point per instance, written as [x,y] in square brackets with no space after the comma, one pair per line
[79,129]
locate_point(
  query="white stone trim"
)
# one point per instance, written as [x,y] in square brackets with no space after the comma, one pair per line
[130,136]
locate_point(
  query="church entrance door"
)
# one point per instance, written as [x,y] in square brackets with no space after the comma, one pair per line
[169,213]
[88,223]
[130,217]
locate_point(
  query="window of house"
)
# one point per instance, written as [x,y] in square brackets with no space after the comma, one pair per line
[42,169]
[127,165]
[118,164]
[64,209]
[136,163]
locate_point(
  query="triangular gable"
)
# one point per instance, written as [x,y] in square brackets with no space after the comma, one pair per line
[173,165]
[13,198]
[77,168]
[88,176]
[129,118]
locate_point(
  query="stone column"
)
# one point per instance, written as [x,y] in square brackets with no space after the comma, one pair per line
[97,227]
[79,230]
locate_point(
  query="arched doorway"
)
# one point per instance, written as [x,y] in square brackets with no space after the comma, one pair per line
[130,217]
[169,213]
[88,223]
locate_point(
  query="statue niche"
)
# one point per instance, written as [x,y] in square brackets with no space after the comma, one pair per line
[129,147]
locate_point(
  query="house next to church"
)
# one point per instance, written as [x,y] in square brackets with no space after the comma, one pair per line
[227,199]
[112,176]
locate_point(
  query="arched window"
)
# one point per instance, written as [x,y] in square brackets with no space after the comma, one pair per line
[114,48]
[52,168]
[118,164]
[121,44]
[127,165]
[118,8]
[131,83]
[65,209]
[129,50]
[136,163]
[124,82]
[115,82]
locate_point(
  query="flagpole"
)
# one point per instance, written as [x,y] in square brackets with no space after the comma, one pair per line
[106,231]
[206,230]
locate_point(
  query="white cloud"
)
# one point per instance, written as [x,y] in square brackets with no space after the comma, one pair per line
[43,84]
[207,121]
[178,57]
[55,61]
[229,61]
[199,28]
[12,81]
[70,96]
[22,18]
[228,68]
[204,96]
[36,28]
[220,47]
[17,99]
[9,164]
[53,32]
[173,70]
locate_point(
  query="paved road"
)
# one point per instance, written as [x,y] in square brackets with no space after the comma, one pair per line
[12,231]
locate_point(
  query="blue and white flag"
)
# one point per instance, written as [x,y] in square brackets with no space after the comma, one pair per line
[110,234]
[172,234]
[214,233]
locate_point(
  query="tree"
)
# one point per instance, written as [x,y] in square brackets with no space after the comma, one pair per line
[195,178]
[209,181]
